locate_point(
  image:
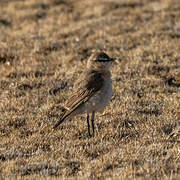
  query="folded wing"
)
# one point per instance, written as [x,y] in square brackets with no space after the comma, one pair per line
[86,89]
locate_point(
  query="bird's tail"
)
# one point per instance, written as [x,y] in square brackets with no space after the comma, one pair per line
[64,116]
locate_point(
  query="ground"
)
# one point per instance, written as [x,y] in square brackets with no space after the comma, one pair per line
[44,46]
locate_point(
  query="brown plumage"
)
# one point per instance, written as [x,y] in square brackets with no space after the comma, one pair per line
[90,90]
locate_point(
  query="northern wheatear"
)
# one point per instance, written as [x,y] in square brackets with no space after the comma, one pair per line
[92,91]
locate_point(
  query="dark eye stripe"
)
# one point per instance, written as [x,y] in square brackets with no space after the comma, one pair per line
[105,60]
[103,56]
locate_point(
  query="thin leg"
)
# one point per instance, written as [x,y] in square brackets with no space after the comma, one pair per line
[92,121]
[88,125]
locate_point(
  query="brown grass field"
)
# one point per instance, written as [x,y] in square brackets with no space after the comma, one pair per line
[44,46]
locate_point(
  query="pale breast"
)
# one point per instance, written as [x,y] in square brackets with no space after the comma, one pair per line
[101,100]
[105,96]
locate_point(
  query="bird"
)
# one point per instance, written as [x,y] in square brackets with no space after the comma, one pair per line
[92,91]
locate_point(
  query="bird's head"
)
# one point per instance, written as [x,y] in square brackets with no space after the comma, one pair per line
[99,60]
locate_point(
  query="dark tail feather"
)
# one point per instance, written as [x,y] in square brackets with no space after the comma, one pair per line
[63,117]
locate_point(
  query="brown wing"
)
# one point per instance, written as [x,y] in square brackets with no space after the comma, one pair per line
[86,89]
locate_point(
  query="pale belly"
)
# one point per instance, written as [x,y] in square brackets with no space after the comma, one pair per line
[98,102]
[105,97]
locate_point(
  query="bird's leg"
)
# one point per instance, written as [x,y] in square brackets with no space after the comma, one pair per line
[92,121]
[89,134]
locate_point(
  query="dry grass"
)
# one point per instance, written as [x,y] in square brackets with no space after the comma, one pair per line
[44,46]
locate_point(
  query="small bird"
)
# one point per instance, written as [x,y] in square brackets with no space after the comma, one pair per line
[92,91]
